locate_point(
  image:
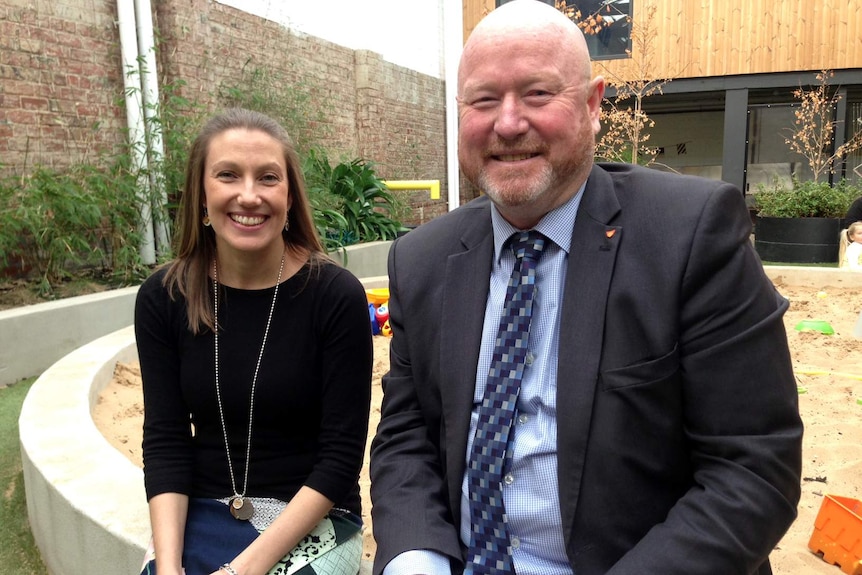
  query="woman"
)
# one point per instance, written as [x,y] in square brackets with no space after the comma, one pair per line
[254,431]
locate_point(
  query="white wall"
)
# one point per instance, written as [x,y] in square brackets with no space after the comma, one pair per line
[407,33]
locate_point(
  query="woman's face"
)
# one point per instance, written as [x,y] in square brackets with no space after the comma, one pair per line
[246,192]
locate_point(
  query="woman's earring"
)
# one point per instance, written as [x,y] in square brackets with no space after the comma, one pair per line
[206,219]
[287,224]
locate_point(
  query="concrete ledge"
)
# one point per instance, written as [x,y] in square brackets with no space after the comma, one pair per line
[365,260]
[85,500]
[35,336]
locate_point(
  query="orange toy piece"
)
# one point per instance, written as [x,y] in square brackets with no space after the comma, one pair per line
[386,329]
[837,535]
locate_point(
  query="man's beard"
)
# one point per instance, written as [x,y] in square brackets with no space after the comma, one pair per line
[512,192]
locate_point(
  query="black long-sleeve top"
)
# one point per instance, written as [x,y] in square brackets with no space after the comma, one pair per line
[311,401]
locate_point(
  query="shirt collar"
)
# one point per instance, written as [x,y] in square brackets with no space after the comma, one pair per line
[556,225]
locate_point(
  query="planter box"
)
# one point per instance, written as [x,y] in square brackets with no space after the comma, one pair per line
[837,533]
[797,240]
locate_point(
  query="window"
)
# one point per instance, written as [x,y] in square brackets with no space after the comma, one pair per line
[853,162]
[606,24]
[769,160]
[688,142]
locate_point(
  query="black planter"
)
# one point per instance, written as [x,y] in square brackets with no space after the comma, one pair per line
[797,240]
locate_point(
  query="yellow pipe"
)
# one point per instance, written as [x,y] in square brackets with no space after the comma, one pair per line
[433,185]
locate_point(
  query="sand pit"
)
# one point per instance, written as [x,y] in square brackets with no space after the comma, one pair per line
[828,371]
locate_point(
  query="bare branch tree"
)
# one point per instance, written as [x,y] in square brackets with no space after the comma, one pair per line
[814,127]
[626,123]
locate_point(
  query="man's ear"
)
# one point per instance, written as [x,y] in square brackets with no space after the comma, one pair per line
[595,94]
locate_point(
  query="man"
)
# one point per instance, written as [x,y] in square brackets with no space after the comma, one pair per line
[657,428]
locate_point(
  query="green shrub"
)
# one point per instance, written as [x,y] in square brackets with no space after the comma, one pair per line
[806,199]
[84,215]
[117,189]
[52,220]
[351,204]
[88,215]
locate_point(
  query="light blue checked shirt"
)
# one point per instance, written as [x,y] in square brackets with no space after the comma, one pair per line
[530,490]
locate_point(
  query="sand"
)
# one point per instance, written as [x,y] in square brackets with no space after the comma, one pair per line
[828,372]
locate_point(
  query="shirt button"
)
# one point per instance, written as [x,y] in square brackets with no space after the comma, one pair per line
[516,543]
[530,358]
[522,419]
[509,479]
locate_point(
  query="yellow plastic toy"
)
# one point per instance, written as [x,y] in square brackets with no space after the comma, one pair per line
[377,296]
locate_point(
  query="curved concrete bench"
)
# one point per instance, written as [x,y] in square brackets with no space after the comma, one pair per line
[33,337]
[85,500]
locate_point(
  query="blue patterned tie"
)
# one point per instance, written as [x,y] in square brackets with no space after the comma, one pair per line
[490,552]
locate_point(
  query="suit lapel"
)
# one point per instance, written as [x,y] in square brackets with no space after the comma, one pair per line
[465,295]
[590,268]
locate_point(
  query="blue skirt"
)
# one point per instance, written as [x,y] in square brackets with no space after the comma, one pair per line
[213,537]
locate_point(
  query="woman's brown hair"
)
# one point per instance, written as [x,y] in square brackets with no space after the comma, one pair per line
[188,274]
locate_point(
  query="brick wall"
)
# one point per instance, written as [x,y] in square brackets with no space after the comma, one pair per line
[60,75]
[60,78]
[398,125]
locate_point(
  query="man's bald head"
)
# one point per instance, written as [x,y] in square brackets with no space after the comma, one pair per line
[525,18]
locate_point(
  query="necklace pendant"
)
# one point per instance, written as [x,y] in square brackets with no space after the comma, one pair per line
[241,508]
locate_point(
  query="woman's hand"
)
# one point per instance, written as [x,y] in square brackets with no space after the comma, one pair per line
[302,513]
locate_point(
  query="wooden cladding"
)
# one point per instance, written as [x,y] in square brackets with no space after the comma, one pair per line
[475,10]
[704,38]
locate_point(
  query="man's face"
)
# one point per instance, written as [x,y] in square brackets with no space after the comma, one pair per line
[528,119]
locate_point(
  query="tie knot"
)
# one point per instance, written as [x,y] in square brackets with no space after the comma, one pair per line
[528,244]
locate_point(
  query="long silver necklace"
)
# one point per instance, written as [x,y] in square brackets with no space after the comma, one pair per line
[240,506]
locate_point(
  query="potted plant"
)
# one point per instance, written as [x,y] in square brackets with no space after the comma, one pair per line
[801,223]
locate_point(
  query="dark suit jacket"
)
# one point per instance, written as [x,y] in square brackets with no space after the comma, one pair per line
[679,437]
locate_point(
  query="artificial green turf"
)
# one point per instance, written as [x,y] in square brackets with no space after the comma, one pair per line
[18,552]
